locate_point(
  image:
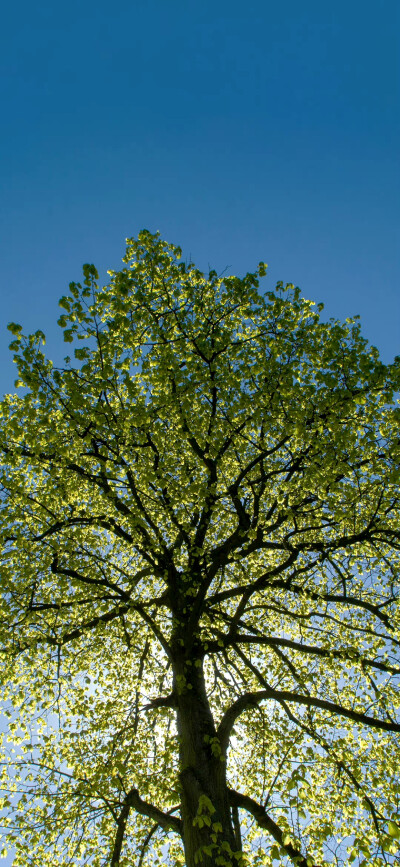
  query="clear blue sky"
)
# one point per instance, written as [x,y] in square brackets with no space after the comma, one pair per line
[241,130]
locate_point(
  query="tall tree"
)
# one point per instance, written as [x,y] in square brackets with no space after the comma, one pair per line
[199,579]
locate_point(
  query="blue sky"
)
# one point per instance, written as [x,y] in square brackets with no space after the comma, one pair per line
[242,131]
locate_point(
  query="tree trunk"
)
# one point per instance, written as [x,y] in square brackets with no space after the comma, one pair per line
[205,811]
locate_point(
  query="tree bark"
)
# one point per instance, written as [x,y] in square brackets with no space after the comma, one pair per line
[205,808]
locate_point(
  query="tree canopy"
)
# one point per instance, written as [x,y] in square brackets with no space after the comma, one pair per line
[199,579]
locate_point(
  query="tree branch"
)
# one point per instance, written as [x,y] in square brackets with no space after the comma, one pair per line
[264,820]
[253,699]
[347,654]
[133,799]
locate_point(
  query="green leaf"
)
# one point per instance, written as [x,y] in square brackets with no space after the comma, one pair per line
[82,353]
[65,303]
[14,328]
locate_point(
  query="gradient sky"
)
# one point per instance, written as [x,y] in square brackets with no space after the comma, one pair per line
[242,131]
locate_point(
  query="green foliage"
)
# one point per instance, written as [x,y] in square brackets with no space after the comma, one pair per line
[200,521]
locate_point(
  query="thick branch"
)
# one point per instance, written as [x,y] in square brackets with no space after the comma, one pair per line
[346,654]
[264,820]
[352,601]
[253,699]
[133,799]
[166,820]
[85,579]
[154,628]
[76,633]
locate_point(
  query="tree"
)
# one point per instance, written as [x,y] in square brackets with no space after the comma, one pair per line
[199,580]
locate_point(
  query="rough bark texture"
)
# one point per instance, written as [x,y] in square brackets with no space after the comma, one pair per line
[202,769]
